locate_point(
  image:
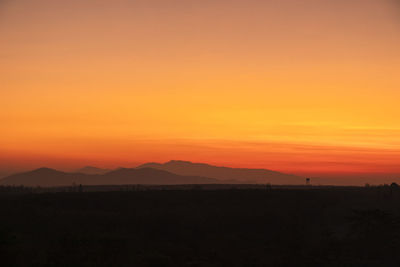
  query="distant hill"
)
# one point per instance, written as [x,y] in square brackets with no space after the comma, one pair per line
[224,173]
[41,177]
[50,177]
[92,170]
[155,176]
[4,174]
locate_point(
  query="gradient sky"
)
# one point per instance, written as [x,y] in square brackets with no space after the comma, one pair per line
[309,87]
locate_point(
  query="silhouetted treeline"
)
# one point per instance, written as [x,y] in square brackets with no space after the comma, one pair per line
[248,227]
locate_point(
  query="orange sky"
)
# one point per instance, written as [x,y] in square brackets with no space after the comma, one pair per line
[309,87]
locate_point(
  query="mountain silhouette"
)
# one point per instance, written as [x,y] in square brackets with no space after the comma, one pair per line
[169,173]
[155,176]
[92,170]
[148,176]
[225,173]
[5,173]
[40,177]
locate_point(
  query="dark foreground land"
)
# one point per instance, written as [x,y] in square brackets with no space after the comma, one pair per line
[247,227]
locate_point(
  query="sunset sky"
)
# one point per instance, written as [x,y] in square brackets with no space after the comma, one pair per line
[308,87]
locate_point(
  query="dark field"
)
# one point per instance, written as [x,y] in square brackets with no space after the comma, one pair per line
[246,227]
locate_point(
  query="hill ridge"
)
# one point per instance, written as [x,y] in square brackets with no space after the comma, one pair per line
[121,176]
[182,167]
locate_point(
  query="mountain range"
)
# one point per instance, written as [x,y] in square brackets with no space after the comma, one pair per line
[169,173]
[226,174]
[149,176]
[92,170]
